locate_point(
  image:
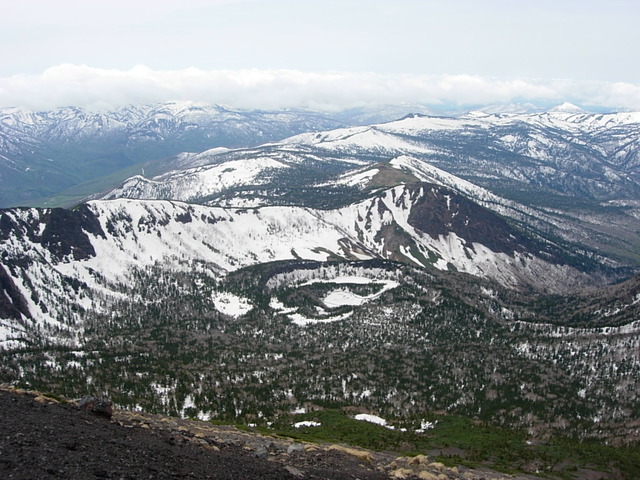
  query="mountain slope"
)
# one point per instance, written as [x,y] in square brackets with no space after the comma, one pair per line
[243,313]
[578,154]
[577,171]
[373,267]
[422,224]
[274,337]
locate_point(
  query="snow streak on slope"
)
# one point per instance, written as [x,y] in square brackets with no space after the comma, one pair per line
[226,239]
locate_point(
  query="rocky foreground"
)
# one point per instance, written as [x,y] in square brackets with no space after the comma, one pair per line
[43,438]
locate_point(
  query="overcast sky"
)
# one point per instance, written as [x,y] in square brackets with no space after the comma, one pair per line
[319,53]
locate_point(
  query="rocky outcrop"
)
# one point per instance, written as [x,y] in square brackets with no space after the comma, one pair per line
[65,232]
[12,303]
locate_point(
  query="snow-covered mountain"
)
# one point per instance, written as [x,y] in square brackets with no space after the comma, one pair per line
[423,225]
[426,218]
[563,150]
[595,156]
[43,153]
[421,190]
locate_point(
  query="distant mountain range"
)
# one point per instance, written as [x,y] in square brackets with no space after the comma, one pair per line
[44,154]
[574,175]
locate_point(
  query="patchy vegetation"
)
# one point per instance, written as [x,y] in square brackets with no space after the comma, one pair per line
[434,342]
[455,440]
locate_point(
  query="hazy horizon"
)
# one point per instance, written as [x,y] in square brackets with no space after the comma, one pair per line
[323,55]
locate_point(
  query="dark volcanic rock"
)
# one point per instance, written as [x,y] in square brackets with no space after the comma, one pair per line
[42,440]
[12,302]
[64,233]
[441,211]
[47,441]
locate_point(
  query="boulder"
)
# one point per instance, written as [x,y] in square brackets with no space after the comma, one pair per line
[295,447]
[261,452]
[98,406]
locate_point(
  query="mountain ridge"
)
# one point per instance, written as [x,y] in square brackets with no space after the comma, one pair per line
[559,172]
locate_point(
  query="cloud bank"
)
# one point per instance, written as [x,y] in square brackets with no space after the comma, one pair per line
[99,89]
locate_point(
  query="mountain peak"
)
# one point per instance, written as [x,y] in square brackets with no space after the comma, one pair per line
[566,107]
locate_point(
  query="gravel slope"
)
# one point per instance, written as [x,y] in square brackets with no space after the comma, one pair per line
[43,439]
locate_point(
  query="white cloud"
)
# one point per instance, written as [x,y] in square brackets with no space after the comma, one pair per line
[97,88]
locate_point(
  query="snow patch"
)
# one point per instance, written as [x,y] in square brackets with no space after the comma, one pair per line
[365,417]
[426,425]
[306,423]
[231,304]
[280,307]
